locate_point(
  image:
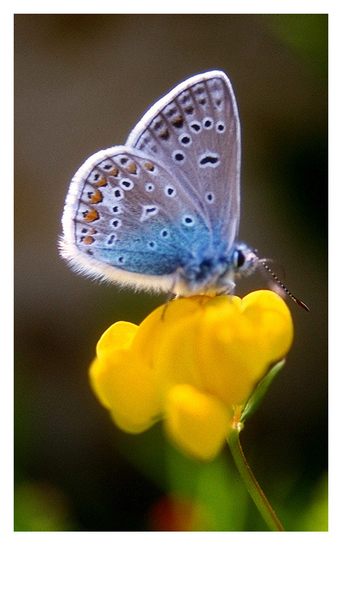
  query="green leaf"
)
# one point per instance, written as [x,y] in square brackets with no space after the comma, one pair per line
[260,390]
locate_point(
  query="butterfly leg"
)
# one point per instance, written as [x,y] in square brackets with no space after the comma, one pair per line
[171,294]
[228,289]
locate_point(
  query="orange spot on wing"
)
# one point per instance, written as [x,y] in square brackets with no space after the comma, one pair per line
[149,166]
[88,239]
[178,122]
[101,181]
[96,197]
[114,171]
[91,215]
[132,168]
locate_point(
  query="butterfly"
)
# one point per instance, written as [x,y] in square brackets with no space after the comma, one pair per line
[162,211]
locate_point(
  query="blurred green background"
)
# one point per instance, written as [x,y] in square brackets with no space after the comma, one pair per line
[81,83]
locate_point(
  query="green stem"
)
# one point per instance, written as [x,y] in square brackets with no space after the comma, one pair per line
[251,483]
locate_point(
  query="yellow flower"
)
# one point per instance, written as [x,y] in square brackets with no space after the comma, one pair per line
[194,363]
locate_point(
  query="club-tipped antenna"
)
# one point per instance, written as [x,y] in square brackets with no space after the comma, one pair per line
[283,287]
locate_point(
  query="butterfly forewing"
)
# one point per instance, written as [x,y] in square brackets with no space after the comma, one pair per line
[194,132]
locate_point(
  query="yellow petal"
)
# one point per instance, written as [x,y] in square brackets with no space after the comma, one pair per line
[197,422]
[176,360]
[239,341]
[118,335]
[191,361]
[271,318]
[160,324]
[126,387]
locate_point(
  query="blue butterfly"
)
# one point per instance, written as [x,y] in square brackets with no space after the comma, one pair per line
[162,211]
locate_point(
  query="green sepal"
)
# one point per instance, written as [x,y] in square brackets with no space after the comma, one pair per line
[260,390]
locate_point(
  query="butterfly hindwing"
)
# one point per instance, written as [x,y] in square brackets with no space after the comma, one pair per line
[125,210]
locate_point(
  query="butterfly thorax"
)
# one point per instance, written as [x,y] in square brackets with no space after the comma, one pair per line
[217,272]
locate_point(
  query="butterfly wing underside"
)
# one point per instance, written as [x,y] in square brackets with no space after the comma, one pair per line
[195,131]
[128,219]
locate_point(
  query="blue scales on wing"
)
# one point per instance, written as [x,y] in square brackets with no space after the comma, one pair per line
[134,215]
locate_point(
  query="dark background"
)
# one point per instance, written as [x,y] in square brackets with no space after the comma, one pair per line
[81,83]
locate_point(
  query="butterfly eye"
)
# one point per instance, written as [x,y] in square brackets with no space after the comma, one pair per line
[238,259]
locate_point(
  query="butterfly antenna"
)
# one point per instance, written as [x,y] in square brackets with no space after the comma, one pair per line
[283,287]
